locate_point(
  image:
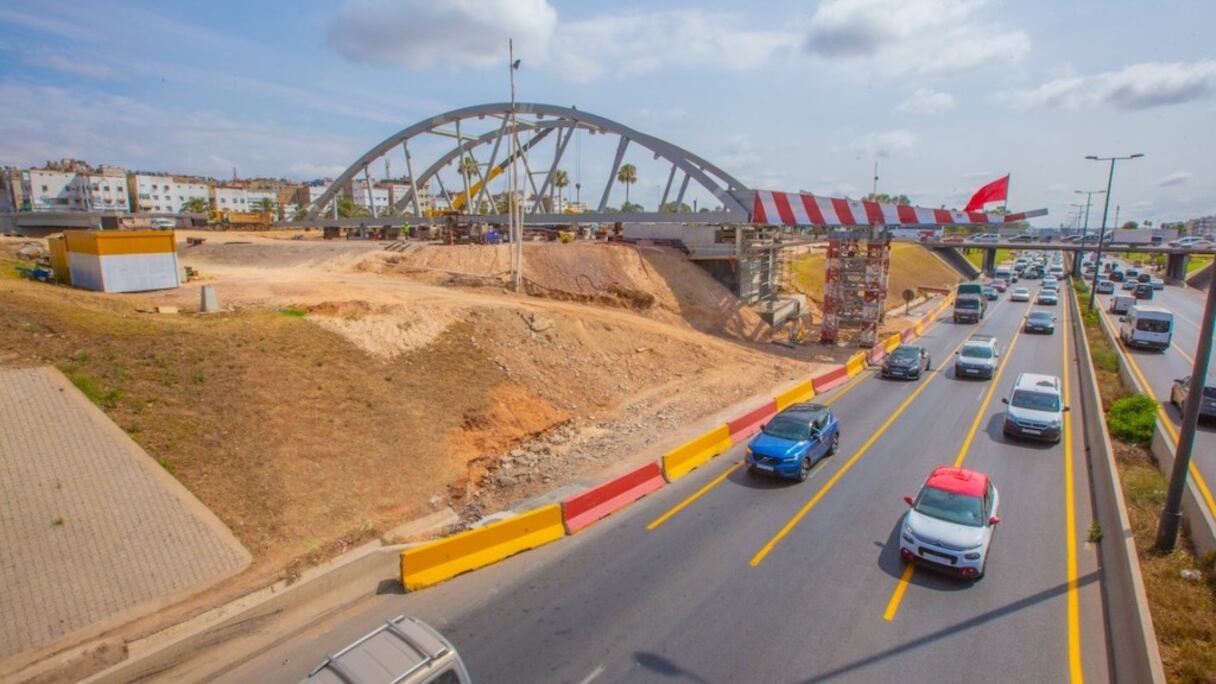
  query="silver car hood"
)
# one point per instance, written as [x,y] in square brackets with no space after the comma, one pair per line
[934,530]
[1031,414]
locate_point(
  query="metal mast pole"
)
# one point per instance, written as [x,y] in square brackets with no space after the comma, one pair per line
[1171,517]
[516,229]
[1110,177]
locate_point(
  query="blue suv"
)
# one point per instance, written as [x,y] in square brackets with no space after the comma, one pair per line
[790,444]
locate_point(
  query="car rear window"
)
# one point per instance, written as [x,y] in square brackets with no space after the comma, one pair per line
[951,507]
[1156,325]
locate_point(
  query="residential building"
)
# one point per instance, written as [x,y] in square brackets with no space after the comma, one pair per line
[369,196]
[1204,226]
[256,199]
[52,190]
[308,193]
[160,194]
[229,198]
[12,195]
[105,192]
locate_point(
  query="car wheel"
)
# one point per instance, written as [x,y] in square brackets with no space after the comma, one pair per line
[835,445]
[805,471]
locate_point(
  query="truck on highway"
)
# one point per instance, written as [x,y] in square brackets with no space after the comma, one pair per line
[969,303]
[1137,237]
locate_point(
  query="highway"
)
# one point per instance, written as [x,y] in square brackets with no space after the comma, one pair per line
[726,577]
[1158,370]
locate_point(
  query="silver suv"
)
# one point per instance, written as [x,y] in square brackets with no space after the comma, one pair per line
[1036,408]
[978,357]
[402,650]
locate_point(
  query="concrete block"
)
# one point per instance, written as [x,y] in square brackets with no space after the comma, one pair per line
[210,302]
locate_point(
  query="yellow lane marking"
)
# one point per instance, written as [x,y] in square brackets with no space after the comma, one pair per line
[696,495]
[1075,671]
[902,586]
[898,595]
[1189,359]
[1168,422]
[848,465]
[844,389]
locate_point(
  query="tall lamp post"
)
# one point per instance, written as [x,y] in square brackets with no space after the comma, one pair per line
[1089,196]
[516,218]
[1110,178]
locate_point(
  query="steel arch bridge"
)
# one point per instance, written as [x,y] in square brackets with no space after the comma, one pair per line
[534,122]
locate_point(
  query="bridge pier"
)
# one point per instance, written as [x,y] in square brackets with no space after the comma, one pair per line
[989,261]
[1175,268]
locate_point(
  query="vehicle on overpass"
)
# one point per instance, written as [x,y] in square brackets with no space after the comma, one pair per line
[1147,327]
[402,650]
[1192,242]
[907,361]
[1182,388]
[794,440]
[950,524]
[978,358]
[1035,408]
[1024,237]
[986,237]
[1040,322]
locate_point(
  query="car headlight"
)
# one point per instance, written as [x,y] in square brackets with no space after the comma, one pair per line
[974,555]
[747,451]
[908,536]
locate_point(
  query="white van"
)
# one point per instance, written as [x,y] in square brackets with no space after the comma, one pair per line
[1121,304]
[1150,327]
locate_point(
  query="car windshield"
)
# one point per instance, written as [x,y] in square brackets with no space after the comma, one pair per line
[967,304]
[790,428]
[1021,291]
[977,352]
[951,507]
[1157,325]
[1035,401]
[1040,317]
[905,354]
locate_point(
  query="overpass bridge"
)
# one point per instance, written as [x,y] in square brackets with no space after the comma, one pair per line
[1177,258]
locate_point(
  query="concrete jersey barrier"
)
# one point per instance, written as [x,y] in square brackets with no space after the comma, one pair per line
[749,423]
[599,502]
[826,381]
[688,456]
[800,392]
[434,562]
[855,364]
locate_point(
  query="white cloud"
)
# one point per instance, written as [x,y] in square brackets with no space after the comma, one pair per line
[421,33]
[80,67]
[885,143]
[469,33]
[1179,178]
[925,101]
[1134,87]
[901,36]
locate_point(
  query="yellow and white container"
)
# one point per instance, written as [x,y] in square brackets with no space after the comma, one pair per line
[122,260]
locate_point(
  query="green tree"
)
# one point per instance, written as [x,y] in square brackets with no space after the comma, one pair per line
[629,207]
[1131,225]
[348,209]
[267,205]
[196,205]
[680,208]
[560,181]
[628,174]
[884,198]
[300,214]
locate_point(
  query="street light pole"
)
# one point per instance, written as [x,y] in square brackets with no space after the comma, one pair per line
[1110,179]
[1171,517]
[1089,196]
[515,219]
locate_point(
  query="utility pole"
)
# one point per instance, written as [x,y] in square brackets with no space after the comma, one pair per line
[874,191]
[516,219]
[1110,178]
[1089,195]
[1171,517]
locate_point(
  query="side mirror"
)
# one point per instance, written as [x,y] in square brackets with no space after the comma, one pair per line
[908,500]
[763,425]
[1004,400]
[994,520]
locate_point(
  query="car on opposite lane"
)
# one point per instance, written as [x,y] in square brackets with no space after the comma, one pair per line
[1040,322]
[906,361]
[1035,408]
[1181,388]
[1019,294]
[792,442]
[978,358]
[950,523]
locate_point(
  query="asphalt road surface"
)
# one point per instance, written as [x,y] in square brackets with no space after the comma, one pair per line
[726,577]
[1158,370]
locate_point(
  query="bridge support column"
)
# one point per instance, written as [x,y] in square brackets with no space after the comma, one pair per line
[989,261]
[1175,268]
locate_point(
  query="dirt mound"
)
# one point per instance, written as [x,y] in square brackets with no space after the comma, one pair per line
[221,249]
[385,331]
[657,281]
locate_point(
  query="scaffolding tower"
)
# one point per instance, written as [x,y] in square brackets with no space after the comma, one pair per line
[856,272]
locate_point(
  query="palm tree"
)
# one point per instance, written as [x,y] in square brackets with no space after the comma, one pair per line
[196,205]
[627,175]
[560,181]
[267,205]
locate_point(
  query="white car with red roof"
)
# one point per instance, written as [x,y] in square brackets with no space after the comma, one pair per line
[950,525]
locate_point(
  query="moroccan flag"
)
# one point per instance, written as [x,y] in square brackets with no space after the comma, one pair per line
[996,191]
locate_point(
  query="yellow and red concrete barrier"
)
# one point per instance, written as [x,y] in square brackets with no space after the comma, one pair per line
[685,458]
[601,501]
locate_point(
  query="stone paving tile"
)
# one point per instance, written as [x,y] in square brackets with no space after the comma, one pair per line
[90,525]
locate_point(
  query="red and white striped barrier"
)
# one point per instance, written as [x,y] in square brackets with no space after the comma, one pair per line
[803,209]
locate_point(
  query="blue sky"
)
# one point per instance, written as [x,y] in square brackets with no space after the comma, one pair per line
[946,94]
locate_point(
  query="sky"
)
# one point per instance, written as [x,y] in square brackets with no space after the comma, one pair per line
[944,95]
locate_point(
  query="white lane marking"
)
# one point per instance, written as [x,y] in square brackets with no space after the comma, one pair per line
[594,674]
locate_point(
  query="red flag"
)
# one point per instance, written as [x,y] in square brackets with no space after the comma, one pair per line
[996,191]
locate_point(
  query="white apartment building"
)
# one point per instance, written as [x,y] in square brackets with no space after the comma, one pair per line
[1202,227]
[376,198]
[105,192]
[163,194]
[255,199]
[228,198]
[52,190]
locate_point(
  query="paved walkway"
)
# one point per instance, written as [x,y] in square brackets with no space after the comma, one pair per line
[92,530]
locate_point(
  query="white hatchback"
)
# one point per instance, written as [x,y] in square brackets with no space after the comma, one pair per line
[950,525]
